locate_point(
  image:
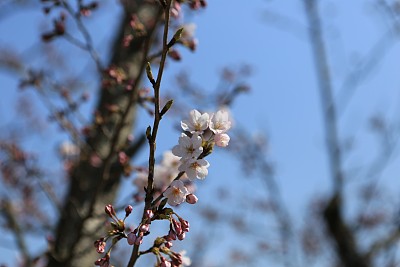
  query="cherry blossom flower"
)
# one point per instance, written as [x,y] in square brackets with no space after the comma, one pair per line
[176,193]
[220,122]
[197,122]
[186,261]
[189,30]
[170,160]
[188,147]
[68,150]
[164,173]
[195,168]
[222,139]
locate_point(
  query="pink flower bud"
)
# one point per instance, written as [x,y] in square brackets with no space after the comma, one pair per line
[177,226]
[191,199]
[128,210]
[164,262]
[144,228]
[192,44]
[176,259]
[109,209]
[185,225]
[123,158]
[100,245]
[182,236]
[127,40]
[149,214]
[174,54]
[131,238]
[103,262]
[176,9]
[171,235]
[168,244]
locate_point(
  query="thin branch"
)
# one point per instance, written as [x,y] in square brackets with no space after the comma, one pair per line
[384,243]
[346,247]
[86,35]
[328,106]
[152,139]
[12,221]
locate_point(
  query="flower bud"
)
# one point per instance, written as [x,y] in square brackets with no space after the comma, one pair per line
[103,262]
[149,214]
[131,238]
[164,262]
[174,54]
[185,225]
[176,258]
[128,210]
[171,235]
[177,226]
[109,209]
[191,199]
[100,245]
[168,244]
[144,228]
[123,158]
[182,236]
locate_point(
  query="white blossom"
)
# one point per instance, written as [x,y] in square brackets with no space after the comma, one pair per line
[189,30]
[222,140]
[186,261]
[170,160]
[195,168]
[176,193]
[197,122]
[188,147]
[68,149]
[220,122]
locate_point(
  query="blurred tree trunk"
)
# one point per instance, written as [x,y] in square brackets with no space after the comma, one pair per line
[82,217]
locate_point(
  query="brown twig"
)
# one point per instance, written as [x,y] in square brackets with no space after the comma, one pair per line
[152,138]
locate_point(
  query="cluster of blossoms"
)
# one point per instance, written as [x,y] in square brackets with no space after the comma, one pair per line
[164,174]
[201,132]
[116,233]
[173,183]
[162,245]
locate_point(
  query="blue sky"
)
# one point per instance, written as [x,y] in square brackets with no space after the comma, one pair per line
[284,101]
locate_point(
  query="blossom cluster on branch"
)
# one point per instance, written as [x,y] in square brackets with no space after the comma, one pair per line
[175,173]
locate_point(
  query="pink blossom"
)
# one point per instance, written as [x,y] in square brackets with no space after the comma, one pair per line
[176,193]
[220,122]
[195,168]
[222,139]
[188,147]
[197,122]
